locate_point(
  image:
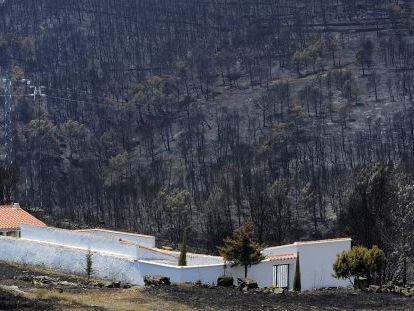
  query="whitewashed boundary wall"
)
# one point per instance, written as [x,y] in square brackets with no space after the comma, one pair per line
[145,240]
[114,267]
[199,259]
[194,259]
[208,274]
[73,260]
[126,261]
[316,264]
[74,239]
[262,273]
[84,240]
[280,250]
[67,259]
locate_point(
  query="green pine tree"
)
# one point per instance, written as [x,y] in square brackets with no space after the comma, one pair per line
[89,264]
[240,248]
[360,262]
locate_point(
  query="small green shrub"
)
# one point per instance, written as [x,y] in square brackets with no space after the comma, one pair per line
[359,262]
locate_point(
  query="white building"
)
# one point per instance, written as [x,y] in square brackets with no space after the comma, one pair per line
[129,257]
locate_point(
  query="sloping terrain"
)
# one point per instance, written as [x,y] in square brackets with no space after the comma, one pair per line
[164,115]
[75,294]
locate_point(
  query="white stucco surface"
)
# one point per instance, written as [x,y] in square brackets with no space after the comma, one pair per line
[207,274]
[125,260]
[263,272]
[280,250]
[145,240]
[126,269]
[70,260]
[316,263]
[198,259]
[84,240]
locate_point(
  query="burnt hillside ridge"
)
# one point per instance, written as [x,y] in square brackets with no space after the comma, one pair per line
[162,115]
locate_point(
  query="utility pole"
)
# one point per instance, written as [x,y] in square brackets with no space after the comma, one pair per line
[38,92]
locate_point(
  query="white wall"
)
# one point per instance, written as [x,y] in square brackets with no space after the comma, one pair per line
[73,260]
[151,268]
[68,259]
[115,259]
[316,263]
[280,250]
[148,241]
[207,274]
[88,241]
[263,272]
[76,239]
[199,259]
[316,260]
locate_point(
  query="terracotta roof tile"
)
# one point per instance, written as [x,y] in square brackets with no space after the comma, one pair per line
[281,257]
[12,217]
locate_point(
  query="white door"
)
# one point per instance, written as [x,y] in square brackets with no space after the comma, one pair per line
[281,276]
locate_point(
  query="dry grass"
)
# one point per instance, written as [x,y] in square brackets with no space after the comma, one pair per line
[118,300]
[89,298]
[51,294]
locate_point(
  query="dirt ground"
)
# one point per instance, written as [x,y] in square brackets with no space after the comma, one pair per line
[75,293]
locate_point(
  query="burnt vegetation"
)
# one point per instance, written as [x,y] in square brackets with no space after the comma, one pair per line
[163,115]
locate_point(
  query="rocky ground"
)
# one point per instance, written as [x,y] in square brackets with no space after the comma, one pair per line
[28,288]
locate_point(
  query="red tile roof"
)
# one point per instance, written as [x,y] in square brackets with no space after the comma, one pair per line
[281,257]
[12,217]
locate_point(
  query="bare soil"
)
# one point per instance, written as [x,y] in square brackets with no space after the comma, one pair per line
[78,294]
